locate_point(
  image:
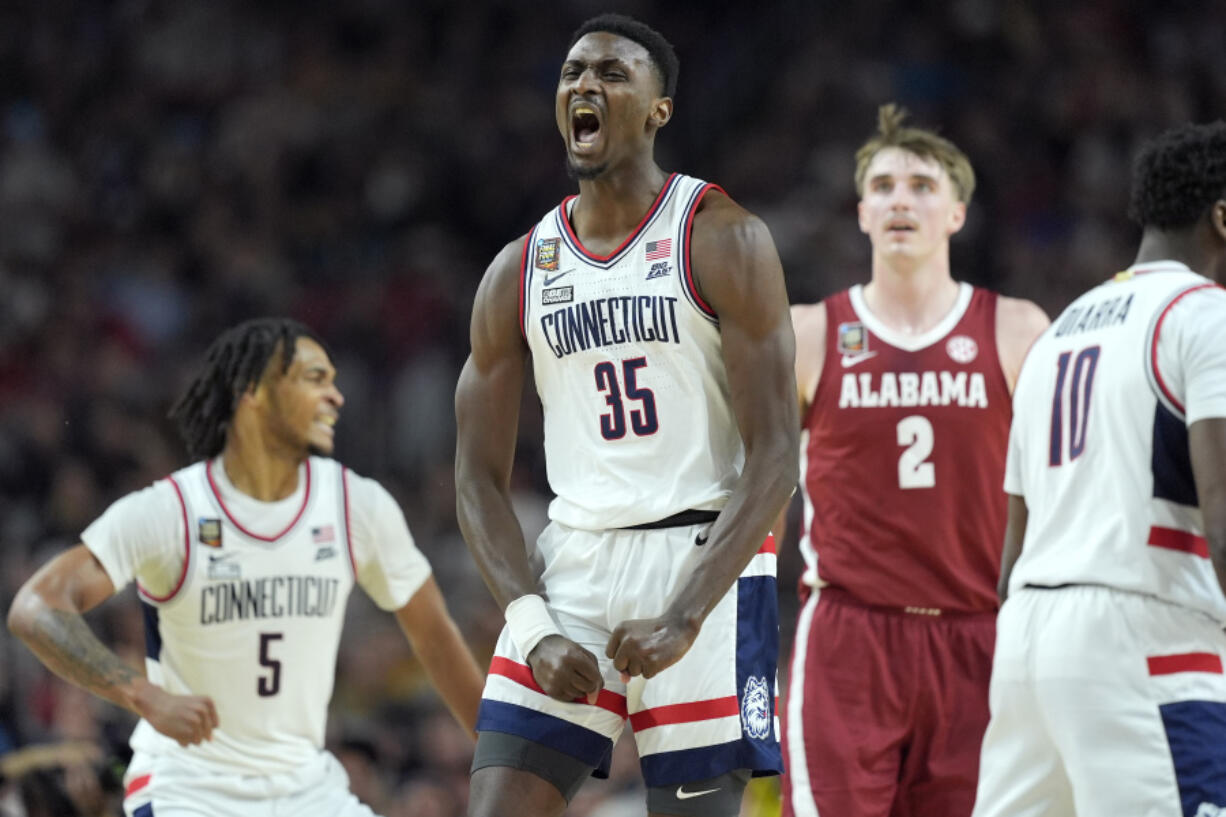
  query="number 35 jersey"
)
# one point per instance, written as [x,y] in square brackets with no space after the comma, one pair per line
[1099,446]
[628,366]
[903,457]
[244,600]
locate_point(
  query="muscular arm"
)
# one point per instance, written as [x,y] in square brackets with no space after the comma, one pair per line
[47,615]
[1018,324]
[487,421]
[1015,532]
[809,327]
[443,652]
[740,276]
[1207,444]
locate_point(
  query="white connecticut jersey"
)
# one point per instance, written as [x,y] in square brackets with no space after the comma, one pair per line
[1099,443]
[638,424]
[244,601]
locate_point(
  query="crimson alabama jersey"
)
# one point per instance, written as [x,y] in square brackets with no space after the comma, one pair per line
[904,456]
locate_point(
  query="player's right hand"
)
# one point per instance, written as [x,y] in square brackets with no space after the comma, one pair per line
[189,719]
[564,670]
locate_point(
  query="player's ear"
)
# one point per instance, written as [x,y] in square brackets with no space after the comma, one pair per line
[1217,218]
[661,112]
[957,217]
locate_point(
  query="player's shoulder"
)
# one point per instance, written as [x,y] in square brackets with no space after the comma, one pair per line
[1018,317]
[360,489]
[162,497]
[508,260]
[721,222]
[809,320]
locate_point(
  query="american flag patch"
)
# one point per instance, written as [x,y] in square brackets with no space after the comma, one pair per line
[324,533]
[659,249]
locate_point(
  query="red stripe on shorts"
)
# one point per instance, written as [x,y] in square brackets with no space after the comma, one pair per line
[1180,540]
[522,675]
[137,784]
[1185,662]
[686,713]
[769,545]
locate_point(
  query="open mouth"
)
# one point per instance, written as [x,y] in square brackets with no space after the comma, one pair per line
[584,124]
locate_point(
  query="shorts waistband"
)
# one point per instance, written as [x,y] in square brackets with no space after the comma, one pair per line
[841,596]
[678,520]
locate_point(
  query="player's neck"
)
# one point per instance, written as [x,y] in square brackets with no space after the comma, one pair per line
[609,208]
[258,472]
[1165,245]
[911,301]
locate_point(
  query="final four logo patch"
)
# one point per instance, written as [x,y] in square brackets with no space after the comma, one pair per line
[547,253]
[852,338]
[209,532]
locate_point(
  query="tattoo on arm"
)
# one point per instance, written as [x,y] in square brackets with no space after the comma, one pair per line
[69,648]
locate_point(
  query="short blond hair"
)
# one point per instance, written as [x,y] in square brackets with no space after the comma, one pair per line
[924,143]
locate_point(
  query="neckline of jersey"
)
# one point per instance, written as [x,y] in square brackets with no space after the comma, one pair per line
[564,210]
[306,496]
[911,343]
[1158,266]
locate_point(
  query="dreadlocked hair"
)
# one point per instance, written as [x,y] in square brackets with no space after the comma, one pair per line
[234,362]
[927,144]
[1178,176]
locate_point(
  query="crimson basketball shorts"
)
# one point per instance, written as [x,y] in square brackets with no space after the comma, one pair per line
[710,713]
[1105,702]
[885,710]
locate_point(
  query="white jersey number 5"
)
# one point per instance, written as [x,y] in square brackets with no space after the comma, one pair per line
[914,471]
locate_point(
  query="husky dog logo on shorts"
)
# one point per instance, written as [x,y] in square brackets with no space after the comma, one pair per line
[755,708]
[1210,810]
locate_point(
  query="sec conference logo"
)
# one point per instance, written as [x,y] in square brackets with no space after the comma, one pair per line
[756,708]
[962,349]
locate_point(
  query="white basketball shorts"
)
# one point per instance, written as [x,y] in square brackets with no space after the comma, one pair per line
[711,712]
[173,787]
[1104,703]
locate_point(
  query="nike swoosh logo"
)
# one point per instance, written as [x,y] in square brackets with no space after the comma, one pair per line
[852,360]
[701,539]
[551,281]
[220,558]
[682,794]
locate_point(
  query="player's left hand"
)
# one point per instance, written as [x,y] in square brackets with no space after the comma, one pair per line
[647,646]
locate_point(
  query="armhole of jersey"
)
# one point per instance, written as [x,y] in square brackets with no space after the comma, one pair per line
[524,285]
[187,553]
[827,360]
[353,562]
[687,271]
[1156,383]
[993,324]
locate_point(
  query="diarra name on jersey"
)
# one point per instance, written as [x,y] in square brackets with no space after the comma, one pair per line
[910,389]
[269,597]
[611,322]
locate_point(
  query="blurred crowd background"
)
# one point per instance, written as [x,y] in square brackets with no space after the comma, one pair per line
[171,167]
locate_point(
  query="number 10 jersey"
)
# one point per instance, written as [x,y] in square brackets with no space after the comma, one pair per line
[1099,446]
[629,369]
